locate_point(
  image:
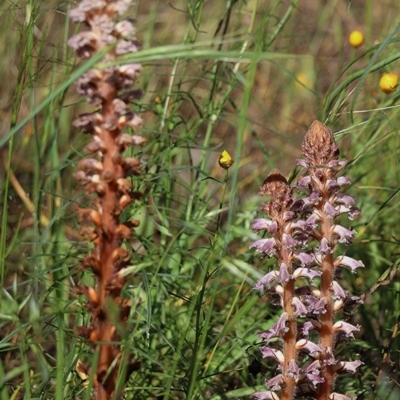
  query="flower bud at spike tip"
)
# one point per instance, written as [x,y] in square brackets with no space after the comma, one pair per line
[356,39]
[225,160]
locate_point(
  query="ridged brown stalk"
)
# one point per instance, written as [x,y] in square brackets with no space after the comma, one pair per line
[106,174]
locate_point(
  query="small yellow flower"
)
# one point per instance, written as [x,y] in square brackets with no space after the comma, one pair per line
[388,82]
[303,81]
[356,38]
[225,160]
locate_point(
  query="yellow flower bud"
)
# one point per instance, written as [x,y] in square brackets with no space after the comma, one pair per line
[388,82]
[356,38]
[225,160]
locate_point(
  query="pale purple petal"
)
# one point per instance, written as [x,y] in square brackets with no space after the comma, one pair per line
[317,305]
[315,379]
[305,181]
[346,328]
[300,308]
[306,273]
[349,366]
[265,246]
[306,259]
[337,291]
[288,242]
[293,370]
[260,224]
[265,282]
[313,371]
[329,357]
[354,212]
[306,327]
[288,215]
[344,235]
[343,180]
[268,352]
[77,15]
[332,185]
[314,367]
[313,199]
[324,249]
[284,275]
[330,210]
[275,383]
[265,396]
[337,163]
[277,330]
[307,345]
[349,263]
[345,199]
[302,163]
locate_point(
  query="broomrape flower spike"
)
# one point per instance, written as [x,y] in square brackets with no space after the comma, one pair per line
[302,237]
[106,175]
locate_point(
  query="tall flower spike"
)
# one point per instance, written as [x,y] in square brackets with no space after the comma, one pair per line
[284,245]
[106,174]
[303,236]
[321,161]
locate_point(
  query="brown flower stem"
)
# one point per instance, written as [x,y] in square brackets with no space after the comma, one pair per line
[327,318]
[326,333]
[289,340]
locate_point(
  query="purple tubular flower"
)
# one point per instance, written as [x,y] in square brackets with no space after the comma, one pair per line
[337,291]
[265,396]
[304,182]
[302,163]
[261,224]
[265,246]
[284,275]
[330,211]
[313,220]
[293,370]
[309,346]
[265,282]
[345,199]
[349,366]
[276,330]
[84,43]
[288,215]
[313,373]
[332,185]
[288,242]
[344,235]
[124,29]
[343,181]
[316,305]
[306,260]
[324,249]
[269,352]
[306,327]
[275,383]
[349,263]
[346,328]
[300,308]
[306,273]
